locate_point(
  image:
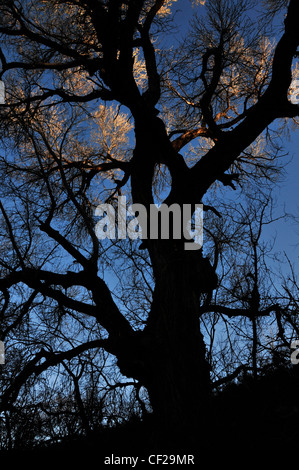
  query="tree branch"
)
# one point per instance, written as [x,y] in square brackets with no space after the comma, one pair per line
[32,368]
[272,105]
[190,135]
[240,312]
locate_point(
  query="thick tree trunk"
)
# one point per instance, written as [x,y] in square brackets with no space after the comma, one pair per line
[177,378]
[168,357]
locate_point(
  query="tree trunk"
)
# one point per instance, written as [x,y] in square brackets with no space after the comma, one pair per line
[178,375]
[169,357]
[179,384]
[171,360]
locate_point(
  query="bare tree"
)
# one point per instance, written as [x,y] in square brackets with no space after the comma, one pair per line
[95,109]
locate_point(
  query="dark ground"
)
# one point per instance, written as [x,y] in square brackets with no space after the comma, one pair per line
[249,419]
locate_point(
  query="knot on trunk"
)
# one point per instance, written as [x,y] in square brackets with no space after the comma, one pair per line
[133,353]
[203,277]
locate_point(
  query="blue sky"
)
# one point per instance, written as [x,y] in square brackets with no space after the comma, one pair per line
[287,194]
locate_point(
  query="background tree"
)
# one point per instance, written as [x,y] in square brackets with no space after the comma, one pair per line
[98,106]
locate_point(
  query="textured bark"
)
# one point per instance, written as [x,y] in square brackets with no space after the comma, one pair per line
[180,383]
[171,351]
[171,358]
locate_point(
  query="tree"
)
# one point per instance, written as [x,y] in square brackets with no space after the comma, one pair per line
[81,76]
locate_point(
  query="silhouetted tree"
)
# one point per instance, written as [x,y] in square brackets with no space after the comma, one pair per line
[98,107]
